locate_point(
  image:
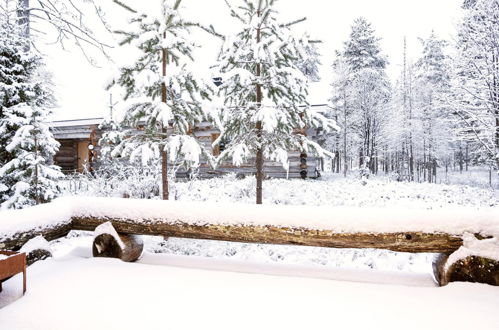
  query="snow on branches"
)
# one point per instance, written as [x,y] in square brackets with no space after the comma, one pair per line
[27,146]
[160,91]
[263,89]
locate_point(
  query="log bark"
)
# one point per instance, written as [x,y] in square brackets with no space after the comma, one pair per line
[106,245]
[401,242]
[19,239]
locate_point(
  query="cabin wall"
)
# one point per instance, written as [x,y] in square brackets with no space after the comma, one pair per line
[74,155]
[206,135]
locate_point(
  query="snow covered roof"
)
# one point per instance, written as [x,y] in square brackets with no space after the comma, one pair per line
[74,129]
[75,122]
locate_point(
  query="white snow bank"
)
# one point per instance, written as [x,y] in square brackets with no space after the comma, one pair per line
[486,248]
[454,221]
[107,228]
[110,294]
[36,243]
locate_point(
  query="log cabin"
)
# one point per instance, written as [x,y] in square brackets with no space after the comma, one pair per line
[79,151]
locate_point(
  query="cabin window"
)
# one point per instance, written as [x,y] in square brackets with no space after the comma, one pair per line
[221,145]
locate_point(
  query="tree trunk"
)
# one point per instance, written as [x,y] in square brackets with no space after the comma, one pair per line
[259,152]
[345,165]
[164,130]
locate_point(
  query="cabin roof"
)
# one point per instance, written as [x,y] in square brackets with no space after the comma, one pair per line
[76,122]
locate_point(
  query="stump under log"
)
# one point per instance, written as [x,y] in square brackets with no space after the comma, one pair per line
[470,269]
[122,246]
[37,248]
[439,268]
[37,255]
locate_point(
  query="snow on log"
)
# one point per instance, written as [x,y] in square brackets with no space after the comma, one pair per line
[409,230]
[414,230]
[37,248]
[108,243]
[51,221]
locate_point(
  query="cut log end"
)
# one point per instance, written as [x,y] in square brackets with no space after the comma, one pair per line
[471,269]
[106,245]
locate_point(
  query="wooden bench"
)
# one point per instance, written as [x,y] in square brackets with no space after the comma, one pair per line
[12,263]
[436,231]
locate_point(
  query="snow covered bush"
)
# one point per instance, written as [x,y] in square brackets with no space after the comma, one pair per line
[117,179]
[26,144]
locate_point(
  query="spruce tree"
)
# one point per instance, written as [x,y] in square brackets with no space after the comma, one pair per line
[369,89]
[265,110]
[362,50]
[27,146]
[164,99]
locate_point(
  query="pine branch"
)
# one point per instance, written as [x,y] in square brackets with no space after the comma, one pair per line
[125,6]
[293,22]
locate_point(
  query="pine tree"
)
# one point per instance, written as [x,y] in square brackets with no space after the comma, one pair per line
[476,83]
[265,109]
[311,62]
[164,99]
[369,89]
[362,50]
[27,146]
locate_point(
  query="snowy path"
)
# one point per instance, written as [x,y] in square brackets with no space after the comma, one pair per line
[143,296]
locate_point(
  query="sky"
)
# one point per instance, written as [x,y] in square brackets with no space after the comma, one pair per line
[80,86]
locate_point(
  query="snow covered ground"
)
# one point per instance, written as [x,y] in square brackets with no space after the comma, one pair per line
[79,293]
[330,190]
[189,284]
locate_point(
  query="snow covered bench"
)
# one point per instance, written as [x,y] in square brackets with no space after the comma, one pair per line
[413,230]
[12,263]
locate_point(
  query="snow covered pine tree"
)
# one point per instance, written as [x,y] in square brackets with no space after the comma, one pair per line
[26,144]
[265,109]
[369,90]
[162,95]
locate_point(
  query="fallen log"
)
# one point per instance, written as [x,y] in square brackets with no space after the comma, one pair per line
[108,243]
[401,242]
[50,233]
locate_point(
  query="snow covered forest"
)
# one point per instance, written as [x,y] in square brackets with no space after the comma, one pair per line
[438,115]
[146,131]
